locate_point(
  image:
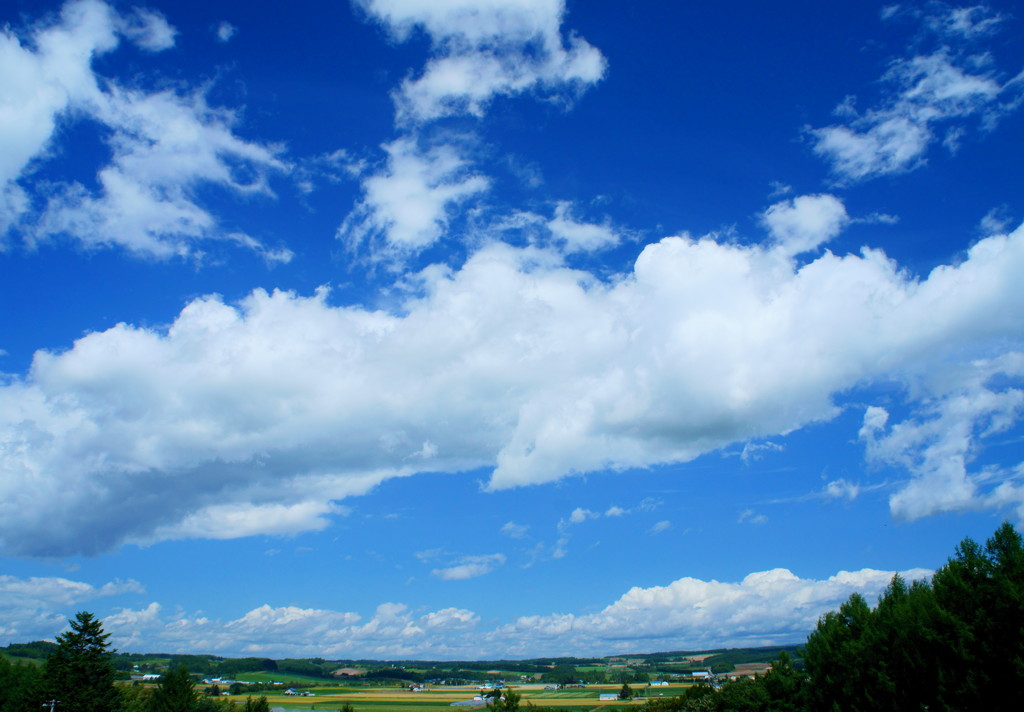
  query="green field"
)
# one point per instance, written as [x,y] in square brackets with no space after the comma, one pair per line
[440,699]
[285,677]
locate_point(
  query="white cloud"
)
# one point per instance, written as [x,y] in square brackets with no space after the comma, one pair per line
[749,516]
[841,489]
[803,223]
[662,526]
[580,515]
[458,567]
[479,51]
[764,608]
[753,451]
[38,607]
[406,205]
[513,361]
[615,511]
[241,519]
[937,444]
[768,607]
[945,88]
[225,31]
[468,567]
[148,29]
[164,145]
[578,236]
[964,22]
[514,530]
[483,50]
[875,419]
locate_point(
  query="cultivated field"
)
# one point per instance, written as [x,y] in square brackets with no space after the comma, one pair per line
[440,699]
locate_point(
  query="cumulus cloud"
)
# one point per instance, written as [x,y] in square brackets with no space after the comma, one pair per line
[841,489]
[662,526]
[407,204]
[925,92]
[513,361]
[483,50]
[938,442]
[164,145]
[580,515]
[764,608]
[803,223]
[36,608]
[767,607]
[578,236]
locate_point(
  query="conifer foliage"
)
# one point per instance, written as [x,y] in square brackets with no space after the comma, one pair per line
[953,643]
[80,673]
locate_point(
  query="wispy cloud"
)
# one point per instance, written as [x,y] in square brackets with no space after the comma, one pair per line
[926,92]
[165,145]
[749,516]
[458,567]
[478,52]
[225,31]
[467,567]
[514,530]
[937,443]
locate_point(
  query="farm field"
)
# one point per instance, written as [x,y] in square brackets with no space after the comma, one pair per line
[440,699]
[279,677]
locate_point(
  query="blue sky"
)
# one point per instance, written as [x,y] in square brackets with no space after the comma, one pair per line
[500,329]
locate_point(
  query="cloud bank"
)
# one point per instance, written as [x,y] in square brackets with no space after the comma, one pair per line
[767,607]
[275,408]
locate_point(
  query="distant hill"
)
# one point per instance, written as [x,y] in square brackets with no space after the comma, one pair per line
[633,667]
[38,650]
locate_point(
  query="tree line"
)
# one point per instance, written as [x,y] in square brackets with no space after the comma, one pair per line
[79,676]
[955,642]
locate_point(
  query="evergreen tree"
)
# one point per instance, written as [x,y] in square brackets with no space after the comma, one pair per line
[80,673]
[136,698]
[509,702]
[19,686]
[260,704]
[175,692]
[785,686]
[836,657]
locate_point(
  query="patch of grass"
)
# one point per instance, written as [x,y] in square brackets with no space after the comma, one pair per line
[277,676]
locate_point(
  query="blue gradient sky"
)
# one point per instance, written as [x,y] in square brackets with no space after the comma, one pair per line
[500,329]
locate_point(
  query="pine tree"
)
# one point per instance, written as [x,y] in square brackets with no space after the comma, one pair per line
[80,673]
[175,693]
